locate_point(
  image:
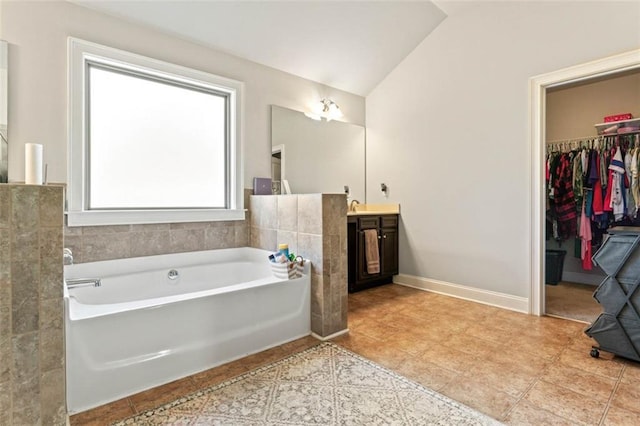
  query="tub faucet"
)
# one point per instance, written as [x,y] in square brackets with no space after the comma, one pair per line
[67,256]
[352,206]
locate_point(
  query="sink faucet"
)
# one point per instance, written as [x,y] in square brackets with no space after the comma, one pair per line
[67,257]
[352,206]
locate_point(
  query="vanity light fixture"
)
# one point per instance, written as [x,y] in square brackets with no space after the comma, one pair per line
[327,109]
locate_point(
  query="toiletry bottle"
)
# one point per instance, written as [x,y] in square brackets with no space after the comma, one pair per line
[284,250]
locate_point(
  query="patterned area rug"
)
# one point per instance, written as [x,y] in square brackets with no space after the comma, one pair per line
[323,385]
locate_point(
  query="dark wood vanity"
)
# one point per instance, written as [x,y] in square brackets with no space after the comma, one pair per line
[386,226]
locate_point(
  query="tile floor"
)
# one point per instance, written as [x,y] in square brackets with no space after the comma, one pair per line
[572,300]
[519,369]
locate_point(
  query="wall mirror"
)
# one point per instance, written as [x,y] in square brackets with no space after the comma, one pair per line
[4,122]
[316,156]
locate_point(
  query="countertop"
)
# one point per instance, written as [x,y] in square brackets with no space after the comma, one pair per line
[374,209]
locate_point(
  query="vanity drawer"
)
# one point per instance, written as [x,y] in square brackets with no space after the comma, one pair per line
[368,222]
[389,221]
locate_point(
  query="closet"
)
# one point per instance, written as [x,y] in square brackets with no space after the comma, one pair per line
[584,196]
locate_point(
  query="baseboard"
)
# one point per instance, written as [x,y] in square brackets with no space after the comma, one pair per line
[331,336]
[487,297]
[582,278]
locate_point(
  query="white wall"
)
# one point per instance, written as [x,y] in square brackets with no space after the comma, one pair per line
[447,131]
[37,33]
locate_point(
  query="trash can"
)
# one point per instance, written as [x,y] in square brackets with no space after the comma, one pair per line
[554,262]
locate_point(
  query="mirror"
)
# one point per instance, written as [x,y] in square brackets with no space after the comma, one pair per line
[316,156]
[4,143]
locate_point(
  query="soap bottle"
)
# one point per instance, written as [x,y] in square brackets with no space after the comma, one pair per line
[283,249]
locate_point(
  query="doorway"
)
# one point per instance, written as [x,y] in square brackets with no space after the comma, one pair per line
[277,169]
[572,109]
[538,93]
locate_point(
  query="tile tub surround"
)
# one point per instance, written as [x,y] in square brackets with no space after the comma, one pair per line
[315,226]
[95,243]
[32,387]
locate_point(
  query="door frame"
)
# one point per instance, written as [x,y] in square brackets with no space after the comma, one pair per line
[538,86]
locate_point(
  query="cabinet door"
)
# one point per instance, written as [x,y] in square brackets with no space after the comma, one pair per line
[389,251]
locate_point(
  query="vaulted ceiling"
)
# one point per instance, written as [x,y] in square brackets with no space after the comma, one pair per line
[349,45]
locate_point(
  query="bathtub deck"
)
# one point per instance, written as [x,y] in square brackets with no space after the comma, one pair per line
[140,402]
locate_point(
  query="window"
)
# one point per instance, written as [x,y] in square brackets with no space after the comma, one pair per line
[150,141]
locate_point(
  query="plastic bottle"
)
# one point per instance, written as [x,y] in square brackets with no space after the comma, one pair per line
[284,250]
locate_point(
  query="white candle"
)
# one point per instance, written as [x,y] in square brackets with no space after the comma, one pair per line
[33,164]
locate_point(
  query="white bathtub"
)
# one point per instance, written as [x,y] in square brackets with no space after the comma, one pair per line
[140,329]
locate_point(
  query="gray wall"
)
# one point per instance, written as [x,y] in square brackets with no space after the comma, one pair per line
[448,132]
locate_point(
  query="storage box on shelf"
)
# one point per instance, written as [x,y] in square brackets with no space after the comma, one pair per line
[621,127]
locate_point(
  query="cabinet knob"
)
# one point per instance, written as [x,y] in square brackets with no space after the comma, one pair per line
[384,236]
[379,237]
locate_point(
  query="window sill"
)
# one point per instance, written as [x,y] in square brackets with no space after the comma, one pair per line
[135,217]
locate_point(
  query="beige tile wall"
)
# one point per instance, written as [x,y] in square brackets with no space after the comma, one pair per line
[315,226]
[94,243]
[32,379]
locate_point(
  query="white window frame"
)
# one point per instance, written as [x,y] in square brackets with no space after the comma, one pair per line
[78,214]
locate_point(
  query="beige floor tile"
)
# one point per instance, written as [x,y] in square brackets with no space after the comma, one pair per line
[104,415]
[583,382]
[298,345]
[528,361]
[566,403]
[488,332]
[582,343]
[380,330]
[426,373]
[218,375]
[409,323]
[162,394]
[449,358]
[546,348]
[508,378]
[478,395]
[386,356]
[631,372]
[627,396]
[604,366]
[411,343]
[475,346]
[354,341]
[620,417]
[261,358]
[393,291]
[527,414]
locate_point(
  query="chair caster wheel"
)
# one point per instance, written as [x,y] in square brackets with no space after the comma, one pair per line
[595,353]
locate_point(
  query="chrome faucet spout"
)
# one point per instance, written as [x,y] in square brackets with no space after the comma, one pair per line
[67,256]
[352,206]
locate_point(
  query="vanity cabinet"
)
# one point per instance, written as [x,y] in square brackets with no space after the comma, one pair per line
[387,229]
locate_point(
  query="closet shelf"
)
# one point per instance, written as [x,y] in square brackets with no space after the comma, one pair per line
[601,127]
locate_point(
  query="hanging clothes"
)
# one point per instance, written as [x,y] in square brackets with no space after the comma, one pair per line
[585,238]
[617,171]
[629,205]
[635,188]
[591,188]
[563,198]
